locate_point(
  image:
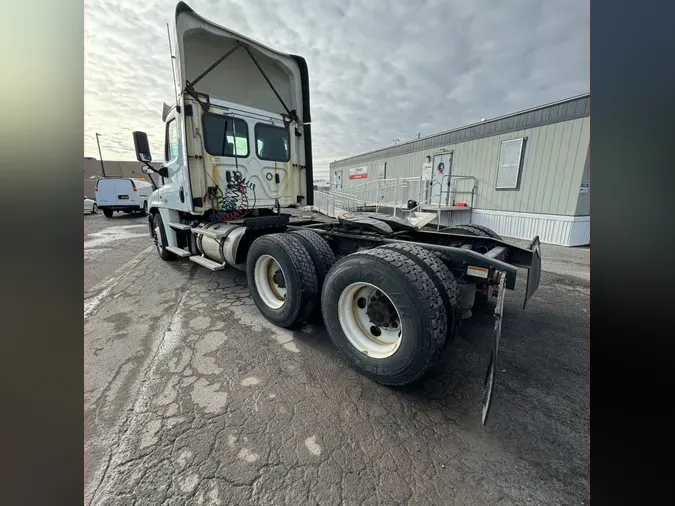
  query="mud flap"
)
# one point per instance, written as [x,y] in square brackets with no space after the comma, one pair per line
[491,373]
[534,272]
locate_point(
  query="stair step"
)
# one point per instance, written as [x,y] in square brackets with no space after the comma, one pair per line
[178,251]
[209,264]
[180,226]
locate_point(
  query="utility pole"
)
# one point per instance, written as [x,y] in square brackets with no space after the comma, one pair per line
[99,153]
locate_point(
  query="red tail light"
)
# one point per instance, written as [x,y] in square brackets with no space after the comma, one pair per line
[133,186]
[97,184]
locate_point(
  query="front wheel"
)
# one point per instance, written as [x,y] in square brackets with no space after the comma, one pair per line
[385,314]
[94,209]
[159,237]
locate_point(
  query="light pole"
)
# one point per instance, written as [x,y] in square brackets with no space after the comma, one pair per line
[99,153]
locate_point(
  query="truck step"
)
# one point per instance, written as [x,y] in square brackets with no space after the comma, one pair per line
[179,251]
[180,226]
[209,264]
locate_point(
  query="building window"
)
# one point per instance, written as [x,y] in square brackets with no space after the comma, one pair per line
[510,163]
[272,143]
[171,141]
[225,135]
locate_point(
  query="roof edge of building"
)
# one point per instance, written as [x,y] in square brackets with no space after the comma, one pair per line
[401,147]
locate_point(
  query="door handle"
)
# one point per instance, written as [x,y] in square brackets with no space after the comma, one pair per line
[181,194]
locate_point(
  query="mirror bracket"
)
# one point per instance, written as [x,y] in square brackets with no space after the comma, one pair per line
[162,171]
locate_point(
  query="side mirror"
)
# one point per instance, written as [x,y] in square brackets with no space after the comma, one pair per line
[146,170]
[163,171]
[142,147]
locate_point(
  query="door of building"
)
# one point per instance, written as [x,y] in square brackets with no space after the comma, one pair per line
[337,180]
[442,167]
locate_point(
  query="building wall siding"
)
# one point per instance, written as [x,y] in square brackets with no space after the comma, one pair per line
[550,176]
[551,229]
[555,155]
[584,200]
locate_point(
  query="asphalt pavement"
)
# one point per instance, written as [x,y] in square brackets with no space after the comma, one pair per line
[192,397]
[111,242]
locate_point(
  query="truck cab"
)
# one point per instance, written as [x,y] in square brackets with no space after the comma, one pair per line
[237,138]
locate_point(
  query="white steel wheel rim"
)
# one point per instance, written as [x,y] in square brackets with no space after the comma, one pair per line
[270,292]
[359,328]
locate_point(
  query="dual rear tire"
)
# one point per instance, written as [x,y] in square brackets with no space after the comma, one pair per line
[283,275]
[389,310]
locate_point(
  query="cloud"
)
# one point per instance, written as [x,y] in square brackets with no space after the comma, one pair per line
[378,70]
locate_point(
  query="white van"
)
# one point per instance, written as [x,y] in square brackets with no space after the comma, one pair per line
[122,194]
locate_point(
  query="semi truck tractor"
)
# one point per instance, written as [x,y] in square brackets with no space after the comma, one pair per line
[237,162]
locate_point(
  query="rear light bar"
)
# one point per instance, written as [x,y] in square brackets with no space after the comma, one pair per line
[133,185]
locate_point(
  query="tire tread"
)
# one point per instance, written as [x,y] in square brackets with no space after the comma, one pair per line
[322,256]
[304,267]
[425,291]
[443,279]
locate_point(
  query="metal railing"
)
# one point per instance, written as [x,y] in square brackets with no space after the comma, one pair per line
[392,195]
[334,204]
[395,192]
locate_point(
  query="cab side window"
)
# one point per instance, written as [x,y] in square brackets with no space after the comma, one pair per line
[171,141]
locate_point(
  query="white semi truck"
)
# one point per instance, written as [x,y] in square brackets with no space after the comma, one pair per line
[238,155]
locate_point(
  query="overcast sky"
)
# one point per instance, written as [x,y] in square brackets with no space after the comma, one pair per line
[379,70]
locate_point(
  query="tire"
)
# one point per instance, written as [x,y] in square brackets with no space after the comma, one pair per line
[443,280]
[94,209]
[322,256]
[470,230]
[418,307]
[164,254]
[107,213]
[481,231]
[300,291]
[487,231]
[144,212]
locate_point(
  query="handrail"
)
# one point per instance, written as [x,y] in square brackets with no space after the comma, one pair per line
[394,192]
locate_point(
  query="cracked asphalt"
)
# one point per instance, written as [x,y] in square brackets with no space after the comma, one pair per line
[192,397]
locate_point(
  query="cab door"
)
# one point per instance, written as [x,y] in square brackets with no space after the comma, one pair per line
[175,194]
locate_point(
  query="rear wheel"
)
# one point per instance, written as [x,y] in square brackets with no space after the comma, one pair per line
[322,256]
[384,313]
[107,213]
[487,231]
[443,281]
[94,209]
[144,212]
[159,237]
[281,278]
[470,230]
